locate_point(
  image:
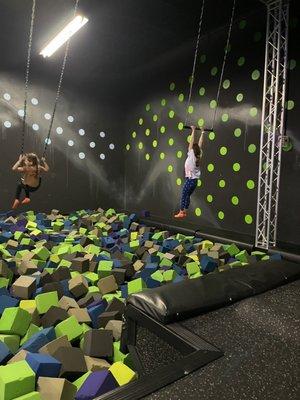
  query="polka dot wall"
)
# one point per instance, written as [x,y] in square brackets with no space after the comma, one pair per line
[68,130]
[227,191]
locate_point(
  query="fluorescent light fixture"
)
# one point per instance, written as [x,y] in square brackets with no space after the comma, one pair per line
[63,36]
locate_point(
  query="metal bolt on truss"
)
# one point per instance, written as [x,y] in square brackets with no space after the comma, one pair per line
[272,122]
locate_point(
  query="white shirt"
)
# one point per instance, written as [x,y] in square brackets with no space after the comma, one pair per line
[191,170]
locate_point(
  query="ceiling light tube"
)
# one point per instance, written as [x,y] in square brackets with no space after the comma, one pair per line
[63,36]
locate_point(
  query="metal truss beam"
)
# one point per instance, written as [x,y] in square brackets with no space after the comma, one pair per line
[272,122]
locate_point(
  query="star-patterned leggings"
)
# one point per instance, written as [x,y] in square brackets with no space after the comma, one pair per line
[188,188]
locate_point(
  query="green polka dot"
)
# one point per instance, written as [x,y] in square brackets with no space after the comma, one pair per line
[140,145]
[250,184]
[202,58]
[154,143]
[292,64]
[225,117]
[236,167]
[127,147]
[178,181]
[179,154]
[209,198]
[190,79]
[223,151]
[155,117]
[172,86]
[213,104]
[226,84]
[248,219]
[227,48]
[201,122]
[171,114]
[253,111]
[162,129]
[188,139]
[257,36]
[147,156]
[147,132]
[163,102]
[222,183]
[237,132]
[290,105]
[180,126]
[239,97]
[141,121]
[181,97]
[202,91]
[241,61]
[252,148]
[210,167]
[199,183]
[255,75]
[235,200]
[148,107]
[170,168]
[198,212]
[162,156]
[190,109]
[221,215]
[133,135]
[171,142]
[211,135]
[242,24]
[214,71]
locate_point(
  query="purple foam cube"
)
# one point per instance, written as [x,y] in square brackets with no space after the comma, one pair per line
[97,383]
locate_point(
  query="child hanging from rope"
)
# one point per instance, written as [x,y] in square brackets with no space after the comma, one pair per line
[192,172]
[31,167]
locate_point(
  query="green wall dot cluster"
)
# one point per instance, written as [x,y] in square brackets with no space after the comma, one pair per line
[211,135]
[250,184]
[236,167]
[225,117]
[251,148]
[181,97]
[239,97]
[128,147]
[162,156]
[226,84]
[172,86]
[148,107]
[147,132]
[154,143]
[199,184]
[213,104]
[179,154]
[222,183]
[155,117]
[198,212]
[141,121]
[209,198]
[237,132]
[140,145]
[162,129]
[180,126]
[178,181]
[253,111]
[255,75]
[202,91]
[214,71]
[223,151]
[248,219]
[235,200]
[241,61]
[221,215]
[147,156]
[210,167]
[171,114]
[170,168]
[171,141]
[163,102]
[201,122]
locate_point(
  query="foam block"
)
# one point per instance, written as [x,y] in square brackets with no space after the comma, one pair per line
[56,389]
[20,356]
[67,302]
[73,362]
[81,314]
[55,344]
[43,364]
[122,373]
[30,396]
[45,301]
[14,321]
[96,384]
[5,353]
[54,316]
[69,327]
[107,285]
[6,302]
[96,364]
[16,380]
[78,286]
[98,343]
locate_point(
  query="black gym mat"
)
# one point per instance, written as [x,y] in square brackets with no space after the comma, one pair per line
[260,338]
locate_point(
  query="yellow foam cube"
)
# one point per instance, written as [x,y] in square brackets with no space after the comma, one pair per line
[122,373]
[27,304]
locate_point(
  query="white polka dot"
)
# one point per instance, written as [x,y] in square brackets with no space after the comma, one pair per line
[34,101]
[21,113]
[111,146]
[92,144]
[48,141]
[81,156]
[7,124]
[47,116]
[70,118]
[71,143]
[35,127]
[7,96]
[59,130]
[102,134]
[102,156]
[81,132]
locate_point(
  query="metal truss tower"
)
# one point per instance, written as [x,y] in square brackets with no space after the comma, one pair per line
[272,122]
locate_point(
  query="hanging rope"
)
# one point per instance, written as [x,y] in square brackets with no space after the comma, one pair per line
[27,74]
[59,87]
[195,63]
[224,63]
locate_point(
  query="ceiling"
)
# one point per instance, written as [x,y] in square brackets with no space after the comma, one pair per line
[120,40]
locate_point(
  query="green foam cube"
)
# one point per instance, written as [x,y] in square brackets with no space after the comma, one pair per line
[33,329]
[157,276]
[15,321]
[169,275]
[4,282]
[69,327]
[30,396]
[192,268]
[233,249]
[46,300]
[80,381]
[136,285]
[11,341]
[16,379]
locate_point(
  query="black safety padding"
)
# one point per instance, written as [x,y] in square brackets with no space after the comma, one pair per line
[182,300]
